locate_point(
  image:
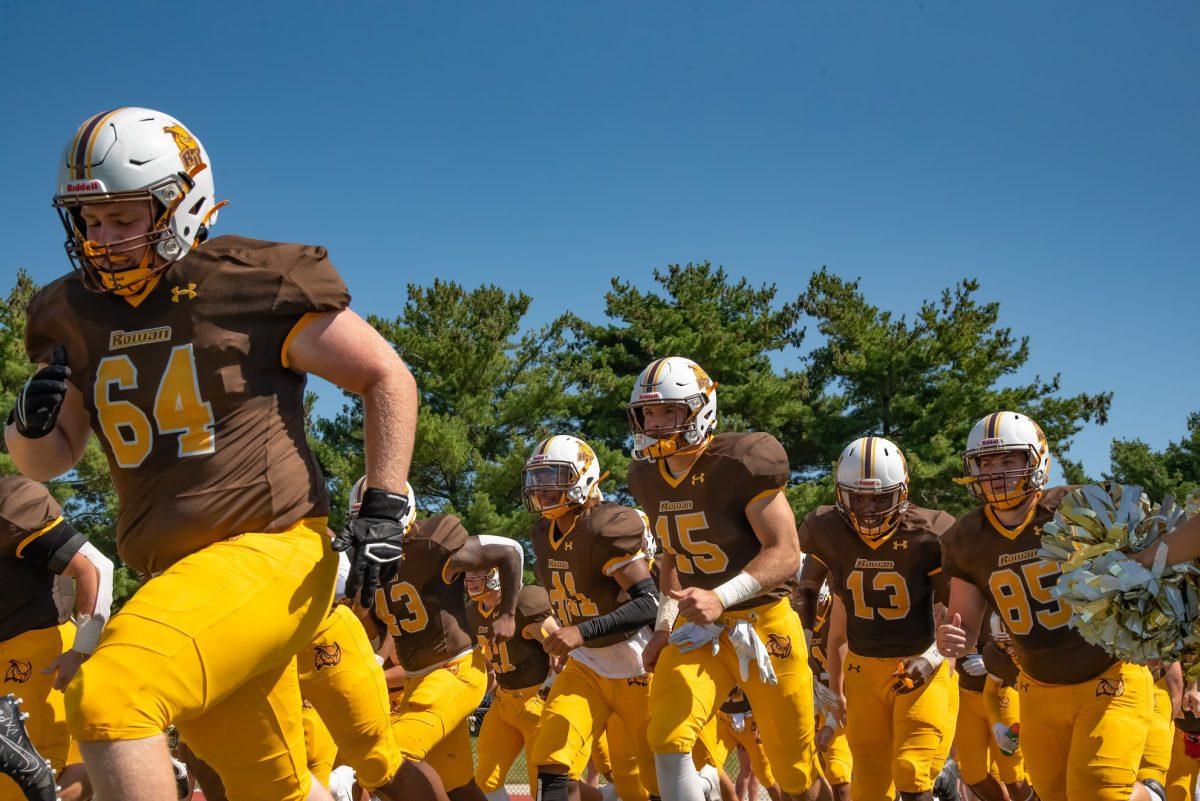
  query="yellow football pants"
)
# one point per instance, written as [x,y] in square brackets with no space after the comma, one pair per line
[430,722]
[975,748]
[1181,777]
[342,679]
[582,703]
[508,727]
[836,761]
[1156,758]
[688,686]
[22,658]
[895,738]
[620,750]
[319,745]
[749,739]
[210,645]
[1084,742]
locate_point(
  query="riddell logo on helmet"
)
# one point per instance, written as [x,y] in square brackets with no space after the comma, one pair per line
[85,186]
[650,396]
[991,443]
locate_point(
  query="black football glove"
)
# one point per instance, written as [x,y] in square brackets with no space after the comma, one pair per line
[41,398]
[373,539]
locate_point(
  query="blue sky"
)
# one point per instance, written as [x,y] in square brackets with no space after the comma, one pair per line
[1049,149]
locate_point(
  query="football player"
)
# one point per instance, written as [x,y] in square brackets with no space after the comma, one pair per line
[422,607]
[833,750]
[588,552]
[521,668]
[187,357]
[1168,693]
[737,726]
[885,570]
[1083,713]
[716,503]
[37,653]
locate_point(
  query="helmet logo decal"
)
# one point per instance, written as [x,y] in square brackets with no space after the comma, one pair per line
[189,148]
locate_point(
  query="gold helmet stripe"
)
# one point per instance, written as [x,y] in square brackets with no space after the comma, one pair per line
[79,146]
[869,458]
[652,374]
[993,423]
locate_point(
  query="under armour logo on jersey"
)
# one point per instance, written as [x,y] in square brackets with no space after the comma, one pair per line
[18,671]
[698,478]
[569,546]
[855,668]
[897,544]
[327,656]
[188,292]
[1109,687]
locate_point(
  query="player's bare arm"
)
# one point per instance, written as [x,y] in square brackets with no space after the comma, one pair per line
[774,525]
[668,610]
[836,654]
[42,458]
[964,617]
[487,552]
[345,350]
[92,573]
[812,575]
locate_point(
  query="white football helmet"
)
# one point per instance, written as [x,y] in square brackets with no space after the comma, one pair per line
[481,582]
[998,433]
[677,383]
[354,502]
[872,486]
[561,472]
[135,154]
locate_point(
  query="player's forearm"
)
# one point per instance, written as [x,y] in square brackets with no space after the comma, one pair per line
[92,572]
[774,563]
[40,459]
[511,564]
[389,428]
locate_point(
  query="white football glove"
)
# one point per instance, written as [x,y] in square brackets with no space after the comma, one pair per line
[1006,738]
[691,636]
[972,665]
[750,648]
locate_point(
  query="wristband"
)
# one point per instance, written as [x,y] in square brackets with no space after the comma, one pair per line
[668,610]
[741,587]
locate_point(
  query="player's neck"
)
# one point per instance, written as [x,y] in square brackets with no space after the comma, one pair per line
[1018,514]
[488,601]
[679,464]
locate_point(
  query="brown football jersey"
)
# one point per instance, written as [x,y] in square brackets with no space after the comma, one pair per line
[1005,566]
[999,664]
[519,662]
[818,648]
[885,585]
[200,418]
[424,609]
[700,517]
[738,704]
[965,679]
[34,546]
[576,565]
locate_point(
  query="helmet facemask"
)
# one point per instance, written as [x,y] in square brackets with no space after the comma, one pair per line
[482,582]
[872,510]
[127,266]
[552,488]
[1005,489]
[659,443]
